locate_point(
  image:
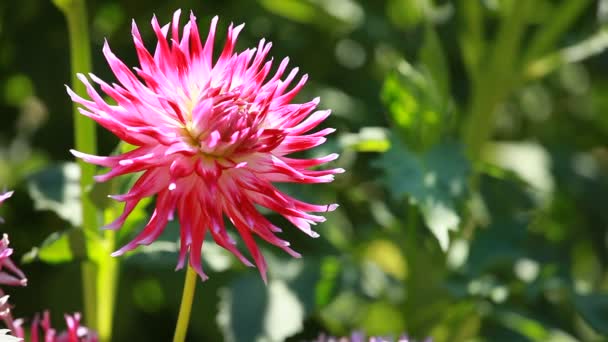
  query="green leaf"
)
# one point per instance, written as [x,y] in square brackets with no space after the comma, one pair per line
[240,315]
[59,247]
[99,194]
[369,139]
[528,327]
[433,180]
[594,310]
[57,188]
[382,318]
[249,311]
[162,253]
[407,13]
[417,106]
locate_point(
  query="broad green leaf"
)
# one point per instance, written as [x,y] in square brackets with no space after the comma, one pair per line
[57,188]
[343,312]
[325,288]
[161,253]
[99,194]
[434,180]
[388,257]
[250,311]
[241,309]
[416,105]
[382,318]
[407,13]
[58,248]
[594,310]
[330,16]
[369,139]
[528,327]
[590,46]
[500,244]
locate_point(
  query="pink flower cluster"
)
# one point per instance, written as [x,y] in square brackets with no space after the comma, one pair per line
[211,138]
[11,275]
[42,331]
[4,197]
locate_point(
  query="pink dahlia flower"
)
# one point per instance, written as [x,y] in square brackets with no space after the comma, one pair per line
[10,274]
[74,333]
[212,137]
[4,197]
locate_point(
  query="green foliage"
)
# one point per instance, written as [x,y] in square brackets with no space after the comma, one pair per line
[57,189]
[434,181]
[55,249]
[594,309]
[477,124]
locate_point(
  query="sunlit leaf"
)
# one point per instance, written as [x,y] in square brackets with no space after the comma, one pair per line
[418,105]
[369,139]
[58,248]
[594,309]
[434,181]
[57,188]
[407,13]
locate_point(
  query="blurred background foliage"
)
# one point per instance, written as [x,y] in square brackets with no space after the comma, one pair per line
[474,135]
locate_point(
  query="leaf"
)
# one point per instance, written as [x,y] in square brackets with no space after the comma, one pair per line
[99,194]
[528,327]
[59,247]
[594,310]
[57,188]
[416,105]
[382,318]
[499,245]
[433,180]
[162,253]
[407,13]
[241,309]
[249,311]
[586,48]
[369,139]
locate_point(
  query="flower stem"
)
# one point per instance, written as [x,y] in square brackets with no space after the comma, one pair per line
[85,140]
[107,279]
[186,306]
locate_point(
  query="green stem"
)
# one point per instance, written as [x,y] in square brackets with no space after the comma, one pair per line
[497,80]
[412,235]
[85,140]
[411,252]
[107,279]
[186,306]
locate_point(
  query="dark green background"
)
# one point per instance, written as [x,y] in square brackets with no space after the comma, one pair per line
[376,267]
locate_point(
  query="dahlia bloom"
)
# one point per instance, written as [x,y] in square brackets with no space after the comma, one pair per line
[74,333]
[211,139]
[4,197]
[10,274]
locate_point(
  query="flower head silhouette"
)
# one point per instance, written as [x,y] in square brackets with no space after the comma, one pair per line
[211,138]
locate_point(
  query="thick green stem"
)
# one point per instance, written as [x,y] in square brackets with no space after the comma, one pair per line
[186,306]
[85,140]
[497,78]
[107,279]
